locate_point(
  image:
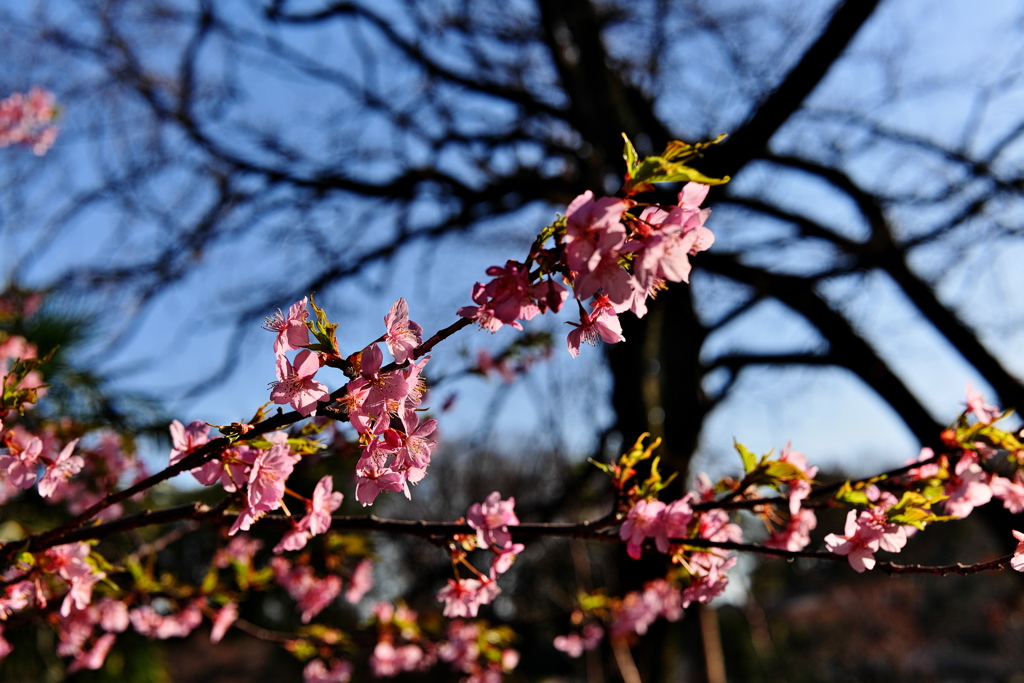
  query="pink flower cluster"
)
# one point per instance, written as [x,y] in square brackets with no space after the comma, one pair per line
[28,120]
[471,647]
[490,519]
[868,532]
[295,383]
[311,593]
[575,644]
[77,633]
[339,671]
[511,297]
[600,237]
[25,454]
[796,534]
[394,455]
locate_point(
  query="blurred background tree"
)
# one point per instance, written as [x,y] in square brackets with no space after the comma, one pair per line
[238,155]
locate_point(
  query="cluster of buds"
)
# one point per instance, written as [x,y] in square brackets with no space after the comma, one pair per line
[28,120]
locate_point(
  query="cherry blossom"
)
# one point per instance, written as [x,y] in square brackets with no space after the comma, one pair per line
[403,335]
[295,383]
[575,644]
[463,597]
[796,534]
[1011,492]
[643,521]
[27,120]
[968,487]
[312,594]
[593,228]
[859,544]
[226,616]
[601,323]
[20,463]
[361,582]
[491,520]
[674,521]
[985,412]
[316,671]
[184,440]
[1017,562]
[511,297]
[62,469]
[292,331]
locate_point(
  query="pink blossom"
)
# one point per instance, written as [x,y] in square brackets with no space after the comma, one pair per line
[491,520]
[325,501]
[461,649]
[317,672]
[148,622]
[860,543]
[576,644]
[511,297]
[463,597]
[706,587]
[113,615]
[27,120]
[184,440]
[5,647]
[601,323]
[231,468]
[611,278]
[503,558]
[799,489]
[711,564]
[73,631]
[24,451]
[68,560]
[1017,562]
[403,335]
[390,393]
[312,594]
[268,476]
[664,240]
[644,521]
[62,469]
[388,660]
[925,471]
[226,616]
[94,658]
[292,331]
[241,549]
[16,596]
[968,487]
[675,520]
[796,535]
[665,597]
[293,539]
[361,582]
[985,412]
[373,475]
[80,594]
[317,519]
[295,383]
[416,446]
[1011,492]
[593,228]
[633,614]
